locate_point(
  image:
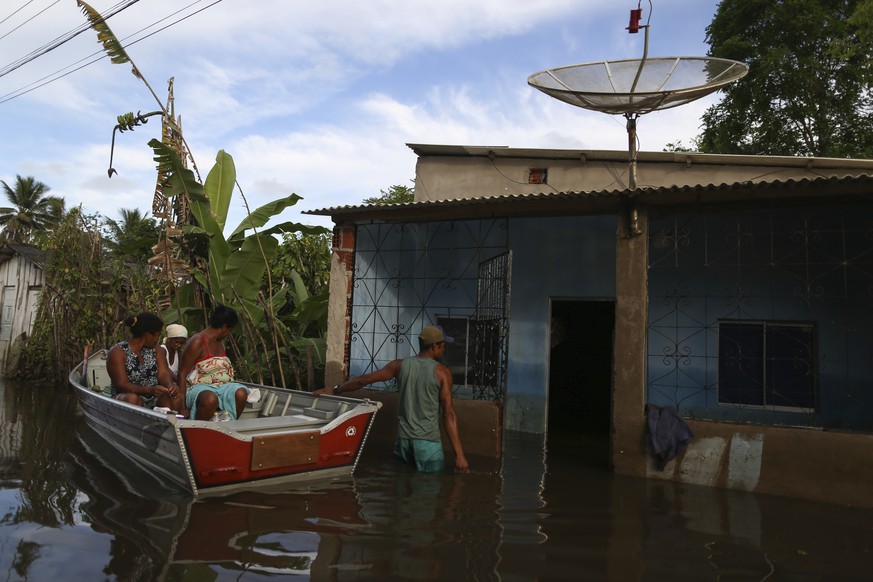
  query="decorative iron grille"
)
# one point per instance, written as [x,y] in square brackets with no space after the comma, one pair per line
[408,276]
[786,297]
[490,329]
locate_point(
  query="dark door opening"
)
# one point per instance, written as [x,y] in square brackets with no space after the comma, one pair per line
[580,371]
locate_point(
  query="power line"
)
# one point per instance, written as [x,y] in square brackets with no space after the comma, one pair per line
[16,12]
[52,45]
[28,20]
[99,55]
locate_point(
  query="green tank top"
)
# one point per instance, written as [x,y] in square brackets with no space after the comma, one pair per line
[419,407]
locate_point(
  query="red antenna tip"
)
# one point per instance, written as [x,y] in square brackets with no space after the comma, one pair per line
[635,16]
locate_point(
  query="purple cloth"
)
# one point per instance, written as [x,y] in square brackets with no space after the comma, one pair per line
[668,433]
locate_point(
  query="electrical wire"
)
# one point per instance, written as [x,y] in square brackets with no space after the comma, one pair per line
[59,41]
[16,11]
[99,55]
[28,20]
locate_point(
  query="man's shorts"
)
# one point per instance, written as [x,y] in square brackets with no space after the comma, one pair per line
[427,456]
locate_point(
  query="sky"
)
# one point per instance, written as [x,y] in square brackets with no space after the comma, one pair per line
[314,98]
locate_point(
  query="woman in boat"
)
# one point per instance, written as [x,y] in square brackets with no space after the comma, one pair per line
[177,335]
[206,373]
[139,372]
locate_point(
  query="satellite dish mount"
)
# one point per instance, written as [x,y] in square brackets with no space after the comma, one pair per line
[633,87]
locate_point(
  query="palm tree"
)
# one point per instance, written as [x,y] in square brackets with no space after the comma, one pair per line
[133,236]
[32,210]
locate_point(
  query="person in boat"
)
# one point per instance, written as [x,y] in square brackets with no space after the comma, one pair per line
[139,372]
[206,373]
[177,335]
[425,386]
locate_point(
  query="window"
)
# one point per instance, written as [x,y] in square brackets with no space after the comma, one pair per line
[538,176]
[768,364]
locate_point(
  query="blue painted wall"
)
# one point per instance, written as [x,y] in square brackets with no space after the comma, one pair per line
[415,273]
[812,266]
[572,257]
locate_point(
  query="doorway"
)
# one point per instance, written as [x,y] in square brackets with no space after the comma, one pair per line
[580,373]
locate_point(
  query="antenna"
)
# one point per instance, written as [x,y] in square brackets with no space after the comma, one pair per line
[634,87]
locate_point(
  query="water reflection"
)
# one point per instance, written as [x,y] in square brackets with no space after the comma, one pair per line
[74,508]
[33,491]
[159,533]
[440,527]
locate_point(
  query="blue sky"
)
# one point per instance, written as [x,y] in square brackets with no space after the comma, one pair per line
[317,99]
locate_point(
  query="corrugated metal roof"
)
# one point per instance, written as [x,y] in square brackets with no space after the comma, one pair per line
[33,254]
[438,150]
[553,203]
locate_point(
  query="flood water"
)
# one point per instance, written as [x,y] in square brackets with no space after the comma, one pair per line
[73,509]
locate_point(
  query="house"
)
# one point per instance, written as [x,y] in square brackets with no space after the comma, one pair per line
[736,289]
[22,274]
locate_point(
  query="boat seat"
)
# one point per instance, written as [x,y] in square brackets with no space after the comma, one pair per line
[269,403]
[272,423]
[304,400]
[323,414]
[326,409]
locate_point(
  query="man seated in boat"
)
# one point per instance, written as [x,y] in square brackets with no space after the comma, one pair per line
[425,386]
[140,374]
[206,373]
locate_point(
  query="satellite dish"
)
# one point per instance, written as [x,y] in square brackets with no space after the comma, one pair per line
[637,85]
[633,87]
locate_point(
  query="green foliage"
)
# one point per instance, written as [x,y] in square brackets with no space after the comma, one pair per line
[33,211]
[308,255]
[233,269]
[300,273]
[105,36]
[84,298]
[808,91]
[396,194]
[133,237]
[228,269]
[678,146]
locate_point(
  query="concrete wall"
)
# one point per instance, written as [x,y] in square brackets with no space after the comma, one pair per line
[629,368]
[452,177]
[794,462]
[342,263]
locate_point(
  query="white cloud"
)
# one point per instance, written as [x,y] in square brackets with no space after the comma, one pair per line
[320,98]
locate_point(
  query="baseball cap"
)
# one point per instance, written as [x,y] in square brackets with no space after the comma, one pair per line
[433,334]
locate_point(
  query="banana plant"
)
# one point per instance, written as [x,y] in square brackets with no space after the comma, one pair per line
[228,268]
[234,265]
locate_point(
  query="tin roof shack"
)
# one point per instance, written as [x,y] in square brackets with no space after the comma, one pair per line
[736,289]
[22,274]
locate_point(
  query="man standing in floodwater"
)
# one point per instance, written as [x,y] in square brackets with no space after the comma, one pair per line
[425,386]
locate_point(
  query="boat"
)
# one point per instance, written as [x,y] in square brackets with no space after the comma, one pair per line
[285,437]
[160,533]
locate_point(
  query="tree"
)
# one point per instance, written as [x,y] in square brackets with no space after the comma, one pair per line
[306,254]
[395,195]
[808,91]
[678,146]
[32,210]
[133,237]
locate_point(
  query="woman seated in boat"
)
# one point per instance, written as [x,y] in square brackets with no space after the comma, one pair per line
[177,335]
[139,372]
[206,374]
